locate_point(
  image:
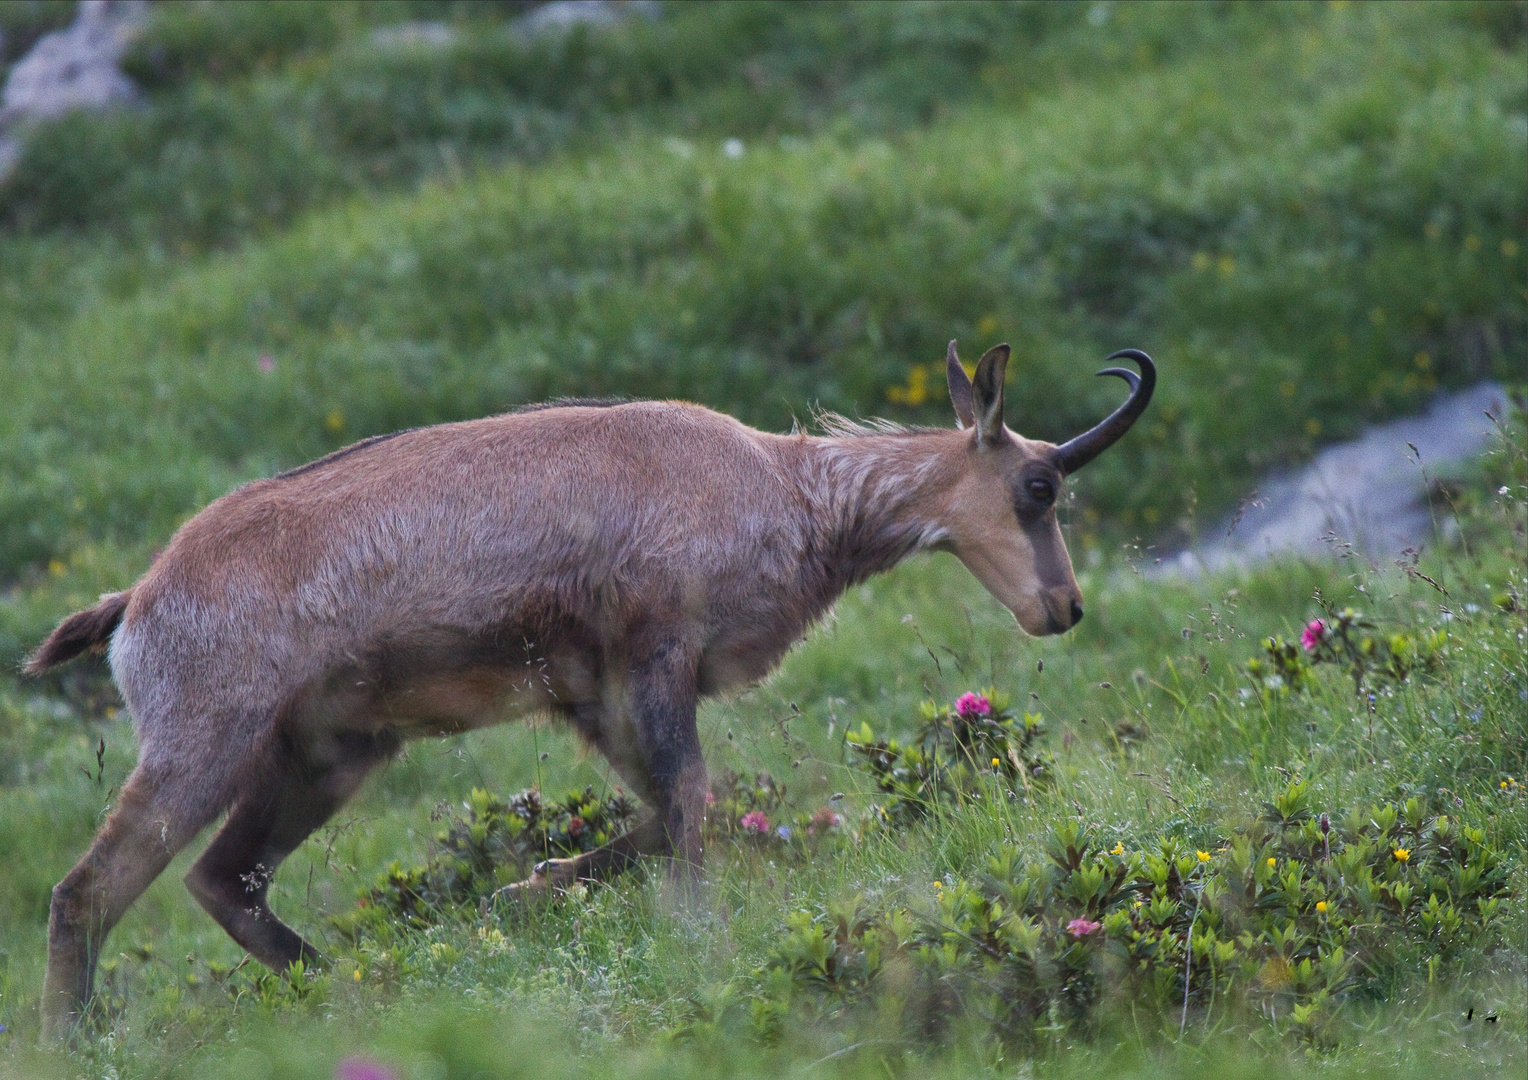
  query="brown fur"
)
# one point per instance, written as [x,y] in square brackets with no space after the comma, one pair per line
[609,563]
[84,631]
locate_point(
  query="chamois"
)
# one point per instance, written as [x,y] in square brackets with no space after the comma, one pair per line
[608,563]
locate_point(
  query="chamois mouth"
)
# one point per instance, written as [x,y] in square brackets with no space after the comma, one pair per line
[1054,625]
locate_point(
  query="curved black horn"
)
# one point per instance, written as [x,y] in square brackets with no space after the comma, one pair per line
[1075,453]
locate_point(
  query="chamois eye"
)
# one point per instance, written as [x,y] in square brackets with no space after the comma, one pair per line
[1041,491]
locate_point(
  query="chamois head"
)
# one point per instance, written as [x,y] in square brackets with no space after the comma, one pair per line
[1003,522]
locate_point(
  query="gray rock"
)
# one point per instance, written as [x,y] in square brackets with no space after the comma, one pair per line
[1370,493]
[73,68]
[565,14]
[414,35]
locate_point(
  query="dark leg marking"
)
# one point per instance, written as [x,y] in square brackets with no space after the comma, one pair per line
[659,757]
[232,878]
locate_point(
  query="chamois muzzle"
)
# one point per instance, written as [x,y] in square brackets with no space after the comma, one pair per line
[1075,453]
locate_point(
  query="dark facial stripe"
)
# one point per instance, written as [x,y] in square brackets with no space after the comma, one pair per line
[1051,560]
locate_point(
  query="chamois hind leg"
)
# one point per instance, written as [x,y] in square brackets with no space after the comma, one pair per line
[157,814]
[296,796]
[649,737]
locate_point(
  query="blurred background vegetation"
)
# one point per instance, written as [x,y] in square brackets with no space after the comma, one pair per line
[321,221]
[328,220]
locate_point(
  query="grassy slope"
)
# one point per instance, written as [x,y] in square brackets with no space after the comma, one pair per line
[1311,228]
[613,970]
[1238,192]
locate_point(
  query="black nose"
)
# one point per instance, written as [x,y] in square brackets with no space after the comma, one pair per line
[1076,613]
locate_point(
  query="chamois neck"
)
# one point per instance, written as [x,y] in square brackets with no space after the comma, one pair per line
[877,498]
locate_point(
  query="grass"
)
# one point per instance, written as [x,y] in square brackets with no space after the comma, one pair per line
[1312,215]
[615,969]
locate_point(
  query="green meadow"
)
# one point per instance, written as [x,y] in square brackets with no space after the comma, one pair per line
[1209,853]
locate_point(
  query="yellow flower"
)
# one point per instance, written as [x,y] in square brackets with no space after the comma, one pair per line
[1321,906]
[1402,854]
[996,762]
[335,420]
[1117,849]
[938,884]
[1204,856]
[916,390]
[1272,861]
[357,975]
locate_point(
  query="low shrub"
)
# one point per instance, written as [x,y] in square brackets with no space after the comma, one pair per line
[491,843]
[1348,640]
[1293,910]
[954,750]
[754,811]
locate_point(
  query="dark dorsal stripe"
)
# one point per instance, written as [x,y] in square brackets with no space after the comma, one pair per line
[344,451]
[366,444]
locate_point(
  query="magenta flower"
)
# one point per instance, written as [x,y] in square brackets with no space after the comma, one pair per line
[361,1069]
[1081,928]
[1315,630]
[755,821]
[824,820]
[969,705]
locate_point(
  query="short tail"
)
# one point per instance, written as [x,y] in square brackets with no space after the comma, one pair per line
[83,631]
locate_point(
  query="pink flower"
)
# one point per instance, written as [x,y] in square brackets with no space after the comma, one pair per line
[710,798]
[755,821]
[267,364]
[1081,928]
[361,1069]
[970,705]
[1315,630]
[824,820]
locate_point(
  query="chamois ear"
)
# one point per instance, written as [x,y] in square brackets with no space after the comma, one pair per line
[987,394]
[960,388]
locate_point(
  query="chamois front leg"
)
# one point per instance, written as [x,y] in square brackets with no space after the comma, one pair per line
[648,735]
